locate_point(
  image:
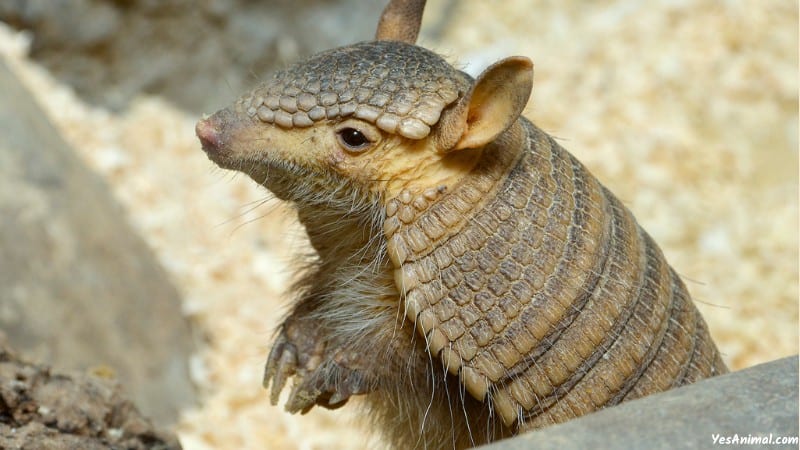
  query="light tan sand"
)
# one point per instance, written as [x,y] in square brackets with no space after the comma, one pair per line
[687,110]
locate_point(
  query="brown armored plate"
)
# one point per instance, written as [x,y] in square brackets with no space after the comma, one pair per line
[688,112]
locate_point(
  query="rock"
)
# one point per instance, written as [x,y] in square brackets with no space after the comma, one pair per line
[78,287]
[760,401]
[44,410]
[181,49]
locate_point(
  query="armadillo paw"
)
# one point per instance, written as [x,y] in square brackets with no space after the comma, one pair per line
[324,374]
[298,351]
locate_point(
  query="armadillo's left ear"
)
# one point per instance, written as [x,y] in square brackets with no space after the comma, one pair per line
[492,105]
[400,21]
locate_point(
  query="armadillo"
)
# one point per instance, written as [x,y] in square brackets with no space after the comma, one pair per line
[471,279]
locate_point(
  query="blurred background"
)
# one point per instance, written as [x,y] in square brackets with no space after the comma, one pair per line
[686,109]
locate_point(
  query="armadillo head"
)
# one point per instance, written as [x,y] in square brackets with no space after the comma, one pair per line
[360,113]
[377,117]
[381,114]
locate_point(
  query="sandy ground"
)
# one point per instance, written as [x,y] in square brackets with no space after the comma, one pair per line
[687,110]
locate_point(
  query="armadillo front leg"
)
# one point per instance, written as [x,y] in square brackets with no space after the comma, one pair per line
[326,372]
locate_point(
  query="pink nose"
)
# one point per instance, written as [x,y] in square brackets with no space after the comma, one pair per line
[210,136]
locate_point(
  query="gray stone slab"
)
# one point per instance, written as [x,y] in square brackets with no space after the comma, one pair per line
[78,287]
[757,402]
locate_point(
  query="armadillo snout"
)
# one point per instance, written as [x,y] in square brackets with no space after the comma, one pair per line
[209,135]
[218,134]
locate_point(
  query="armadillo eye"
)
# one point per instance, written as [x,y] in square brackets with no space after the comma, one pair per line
[353,139]
[357,136]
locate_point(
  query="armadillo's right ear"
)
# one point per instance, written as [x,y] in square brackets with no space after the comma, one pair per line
[492,105]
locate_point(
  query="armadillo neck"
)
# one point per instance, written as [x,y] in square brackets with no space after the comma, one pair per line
[536,286]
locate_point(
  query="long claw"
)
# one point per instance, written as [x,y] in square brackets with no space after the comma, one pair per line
[286,368]
[281,364]
[337,399]
[272,359]
[301,399]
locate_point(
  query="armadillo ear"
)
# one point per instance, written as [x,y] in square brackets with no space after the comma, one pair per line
[492,105]
[400,21]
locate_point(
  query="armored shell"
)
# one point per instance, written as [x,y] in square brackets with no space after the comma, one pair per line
[536,286]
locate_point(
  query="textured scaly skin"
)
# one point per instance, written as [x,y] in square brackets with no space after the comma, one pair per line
[398,89]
